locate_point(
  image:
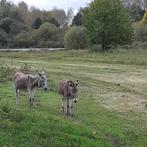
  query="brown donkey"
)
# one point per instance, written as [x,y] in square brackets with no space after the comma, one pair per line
[69,92]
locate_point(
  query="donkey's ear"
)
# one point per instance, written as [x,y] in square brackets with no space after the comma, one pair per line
[77,82]
[39,74]
[69,83]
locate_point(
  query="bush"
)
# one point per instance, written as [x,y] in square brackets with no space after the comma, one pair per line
[140,32]
[54,44]
[45,32]
[108,23]
[96,48]
[6,72]
[24,39]
[139,45]
[3,38]
[49,44]
[140,29]
[76,38]
[25,68]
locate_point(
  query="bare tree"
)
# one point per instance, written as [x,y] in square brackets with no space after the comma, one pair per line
[69,16]
[141,3]
[61,16]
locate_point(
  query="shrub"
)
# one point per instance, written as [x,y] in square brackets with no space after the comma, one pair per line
[75,38]
[140,29]
[6,72]
[49,44]
[45,32]
[140,32]
[54,44]
[139,45]
[25,68]
[96,48]
[24,39]
[3,38]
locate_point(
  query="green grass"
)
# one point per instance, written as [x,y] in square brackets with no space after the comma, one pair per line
[112,106]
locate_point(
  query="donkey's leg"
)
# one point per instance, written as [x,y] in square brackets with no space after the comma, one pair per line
[70,107]
[17,96]
[33,98]
[68,113]
[30,98]
[62,104]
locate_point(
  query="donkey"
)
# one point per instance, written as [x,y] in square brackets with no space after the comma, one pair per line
[28,83]
[69,92]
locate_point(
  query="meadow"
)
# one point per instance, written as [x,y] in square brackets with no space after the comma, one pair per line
[111,109]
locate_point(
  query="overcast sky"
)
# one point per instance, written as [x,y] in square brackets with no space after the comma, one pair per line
[49,4]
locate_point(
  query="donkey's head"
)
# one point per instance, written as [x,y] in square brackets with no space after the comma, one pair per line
[42,81]
[73,90]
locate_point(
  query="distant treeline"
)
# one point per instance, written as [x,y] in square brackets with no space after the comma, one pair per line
[101,25]
[21,26]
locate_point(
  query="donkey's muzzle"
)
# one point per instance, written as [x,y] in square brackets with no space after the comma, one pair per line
[75,101]
[45,89]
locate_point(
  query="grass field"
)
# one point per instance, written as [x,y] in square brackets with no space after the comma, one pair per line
[112,106]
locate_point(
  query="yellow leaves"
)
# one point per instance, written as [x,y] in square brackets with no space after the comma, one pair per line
[144,19]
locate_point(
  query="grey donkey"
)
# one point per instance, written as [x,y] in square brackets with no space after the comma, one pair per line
[28,83]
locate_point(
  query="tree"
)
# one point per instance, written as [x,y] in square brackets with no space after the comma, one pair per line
[75,38]
[136,8]
[18,19]
[3,2]
[136,12]
[11,26]
[145,3]
[77,20]
[61,17]
[54,21]
[5,24]
[5,8]
[140,29]
[108,23]
[23,10]
[47,16]
[69,17]
[17,27]
[14,14]
[130,2]
[33,14]
[144,19]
